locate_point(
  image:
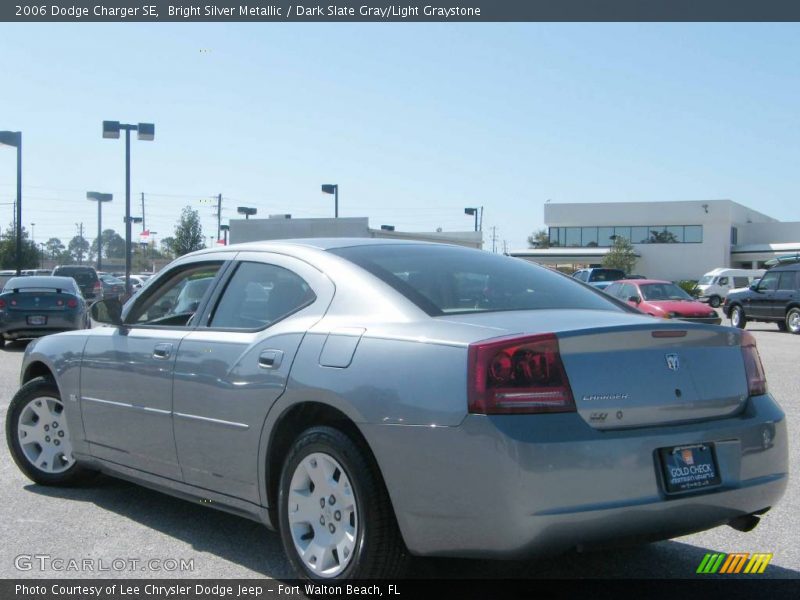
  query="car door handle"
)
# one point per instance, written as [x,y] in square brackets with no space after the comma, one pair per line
[270,359]
[162,351]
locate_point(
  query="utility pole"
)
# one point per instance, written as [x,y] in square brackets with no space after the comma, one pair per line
[494,239]
[219,216]
[480,226]
[80,234]
[505,246]
[144,228]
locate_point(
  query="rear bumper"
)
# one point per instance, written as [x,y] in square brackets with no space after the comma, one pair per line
[515,486]
[16,326]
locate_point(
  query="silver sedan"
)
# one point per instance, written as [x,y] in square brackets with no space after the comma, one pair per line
[373,400]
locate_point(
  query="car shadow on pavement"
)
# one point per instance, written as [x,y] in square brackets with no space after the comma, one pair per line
[15,346]
[250,545]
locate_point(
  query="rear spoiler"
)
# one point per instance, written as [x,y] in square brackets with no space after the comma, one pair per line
[57,290]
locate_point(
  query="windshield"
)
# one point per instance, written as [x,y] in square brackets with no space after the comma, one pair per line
[447,279]
[606,275]
[663,291]
[706,280]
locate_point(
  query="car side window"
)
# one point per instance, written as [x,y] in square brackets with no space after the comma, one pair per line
[258,295]
[786,280]
[769,282]
[628,291]
[723,281]
[174,302]
[615,289]
[740,282]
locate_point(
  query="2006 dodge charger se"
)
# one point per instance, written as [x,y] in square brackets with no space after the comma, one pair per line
[375,399]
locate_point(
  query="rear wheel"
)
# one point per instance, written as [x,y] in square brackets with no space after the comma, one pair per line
[738,318]
[2,341]
[715,301]
[336,520]
[781,325]
[38,436]
[793,320]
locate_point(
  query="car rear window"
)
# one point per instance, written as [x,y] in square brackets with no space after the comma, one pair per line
[448,279]
[606,275]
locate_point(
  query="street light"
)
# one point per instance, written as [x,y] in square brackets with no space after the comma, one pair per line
[225,229]
[99,198]
[387,227]
[33,239]
[145,132]
[247,211]
[332,188]
[14,138]
[472,211]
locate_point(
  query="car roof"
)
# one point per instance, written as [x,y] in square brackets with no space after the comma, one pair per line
[74,268]
[786,267]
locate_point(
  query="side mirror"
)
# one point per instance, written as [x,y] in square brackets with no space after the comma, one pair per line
[635,299]
[754,287]
[108,311]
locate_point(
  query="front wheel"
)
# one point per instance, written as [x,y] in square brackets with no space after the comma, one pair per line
[336,519]
[715,301]
[38,436]
[737,317]
[793,320]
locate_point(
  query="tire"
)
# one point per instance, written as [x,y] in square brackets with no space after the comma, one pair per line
[715,301]
[793,320]
[781,325]
[738,318]
[2,341]
[364,529]
[37,411]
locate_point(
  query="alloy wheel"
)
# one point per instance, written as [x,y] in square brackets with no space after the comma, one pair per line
[43,435]
[323,515]
[793,321]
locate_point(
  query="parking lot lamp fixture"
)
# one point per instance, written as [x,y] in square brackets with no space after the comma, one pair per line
[472,211]
[14,138]
[99,198]
[247,211]
[332,188]
[145,132]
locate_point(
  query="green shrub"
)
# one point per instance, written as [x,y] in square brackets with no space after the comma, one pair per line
[689,286]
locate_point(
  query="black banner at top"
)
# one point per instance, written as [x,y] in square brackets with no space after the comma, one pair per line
[409,11]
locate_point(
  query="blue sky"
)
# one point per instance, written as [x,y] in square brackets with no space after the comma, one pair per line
[413,121]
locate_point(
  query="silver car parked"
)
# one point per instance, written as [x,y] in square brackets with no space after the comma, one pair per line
[373,400]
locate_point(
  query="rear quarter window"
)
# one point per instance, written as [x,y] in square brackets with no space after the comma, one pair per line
[448,279]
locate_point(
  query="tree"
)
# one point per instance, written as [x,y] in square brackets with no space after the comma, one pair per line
[54,248]
[188,233]
[78,248]
[167,247]
[539,239]
[621,255]
[113,245]
[8,250]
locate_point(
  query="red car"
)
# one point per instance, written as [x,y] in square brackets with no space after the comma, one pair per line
[662,299]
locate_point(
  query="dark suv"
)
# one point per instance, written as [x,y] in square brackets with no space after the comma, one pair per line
[775,298]
[87,279]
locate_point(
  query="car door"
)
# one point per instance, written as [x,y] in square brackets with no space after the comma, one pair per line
[785,292]
[759,303]
[126,373]
[230,370]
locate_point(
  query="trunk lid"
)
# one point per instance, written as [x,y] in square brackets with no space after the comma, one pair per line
[629,371]
[45,301]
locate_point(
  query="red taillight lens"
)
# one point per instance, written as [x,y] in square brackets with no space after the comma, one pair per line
[756,379]
[72,303]
[98,286]
[2,304]
[518,375]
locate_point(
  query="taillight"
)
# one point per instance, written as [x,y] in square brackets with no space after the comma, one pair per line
[72,303]
[518,375]
[2,304]
[98,286]
[756,379]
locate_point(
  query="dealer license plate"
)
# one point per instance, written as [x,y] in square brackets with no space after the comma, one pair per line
[689,467]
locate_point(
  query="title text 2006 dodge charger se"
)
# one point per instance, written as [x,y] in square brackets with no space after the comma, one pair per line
[373,399]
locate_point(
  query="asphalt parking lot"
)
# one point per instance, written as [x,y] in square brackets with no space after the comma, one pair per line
[114,519]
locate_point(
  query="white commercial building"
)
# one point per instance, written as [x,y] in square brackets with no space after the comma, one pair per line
[673,240]
[282,227]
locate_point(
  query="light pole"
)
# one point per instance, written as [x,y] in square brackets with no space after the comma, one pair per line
[33,239]
[247,211]
[472,211]
[146,132]
[14,138]
[332,188]
[99,198]
[225,229]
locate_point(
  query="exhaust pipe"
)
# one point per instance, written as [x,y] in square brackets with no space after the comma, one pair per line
[745,523]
